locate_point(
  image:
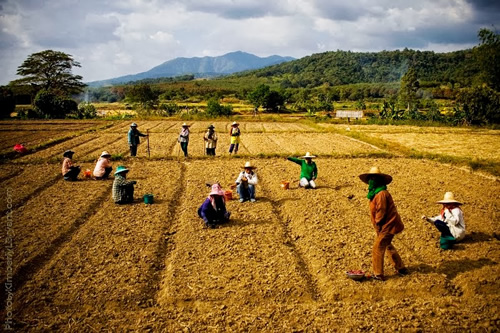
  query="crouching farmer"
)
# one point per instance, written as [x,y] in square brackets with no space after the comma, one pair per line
[69,171]
[123,189]
[246,182]
[450,221]
[103,166]
[308,170]
[213,210]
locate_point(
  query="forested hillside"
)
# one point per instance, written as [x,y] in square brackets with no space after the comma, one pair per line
[345,67]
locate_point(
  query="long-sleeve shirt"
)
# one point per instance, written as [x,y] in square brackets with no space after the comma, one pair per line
[235,135]
[101,165]
[252,178]
[184,135]
[307,171]
[121,188]
[133,137]
[454,219]
[66,165]
[384,215]
[210,139]
[209,214]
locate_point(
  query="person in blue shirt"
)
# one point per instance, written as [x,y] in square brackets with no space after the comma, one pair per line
[213,210]
[133,139]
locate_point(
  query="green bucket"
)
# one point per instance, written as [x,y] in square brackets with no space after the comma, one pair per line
[446,242]
[148,199]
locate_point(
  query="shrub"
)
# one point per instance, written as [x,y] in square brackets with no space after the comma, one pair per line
[215,109]
[7,102]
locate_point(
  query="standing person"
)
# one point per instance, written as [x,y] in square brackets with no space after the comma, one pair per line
[234,132]
[308,170]
[133,138]
[210,138]
[213,210]
[386,221]
[69,171]
[246,182]
[184,139]
[123,189]
[450,221]
[103,166]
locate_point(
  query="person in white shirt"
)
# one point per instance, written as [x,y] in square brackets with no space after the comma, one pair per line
[246,182]
[450,222]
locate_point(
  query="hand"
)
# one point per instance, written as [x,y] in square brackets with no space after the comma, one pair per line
[424,217]
[244,179]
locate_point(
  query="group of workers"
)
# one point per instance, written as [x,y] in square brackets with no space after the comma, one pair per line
[383,212]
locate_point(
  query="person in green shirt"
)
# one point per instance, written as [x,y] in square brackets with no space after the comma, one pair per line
[308,170]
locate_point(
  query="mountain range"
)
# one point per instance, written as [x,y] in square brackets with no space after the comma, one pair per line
[199,67]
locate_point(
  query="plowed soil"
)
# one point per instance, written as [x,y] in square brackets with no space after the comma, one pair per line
[82,263]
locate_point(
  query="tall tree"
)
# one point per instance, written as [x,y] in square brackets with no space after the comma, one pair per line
[51,71]
[488,56]
[409,88]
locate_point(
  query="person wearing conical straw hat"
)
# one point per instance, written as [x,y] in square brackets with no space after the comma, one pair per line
[450,221]
[386,221]
[213,210]
[69,171]
[210,138]
[184,139]
[133,138]
[234,133]
[123,189]
[103,166]
[246,182]
[308,170]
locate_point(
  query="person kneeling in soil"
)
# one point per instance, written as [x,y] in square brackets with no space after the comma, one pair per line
[450,222]
[123,189]
[103,166]
[308,170]
[213,210]
[69,171]
[246,182]
[385,219]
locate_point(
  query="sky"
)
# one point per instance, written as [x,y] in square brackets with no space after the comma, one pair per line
[113,38]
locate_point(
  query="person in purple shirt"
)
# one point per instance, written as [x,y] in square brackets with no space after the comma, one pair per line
[213,210]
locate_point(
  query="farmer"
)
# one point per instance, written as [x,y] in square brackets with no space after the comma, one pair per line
[123,189]
[133,139]
[213,210]
[103,166]
[184,139]
[210,138]
[386,221]
[246,182]
[69,171]
[308,170]
[450,222]
[234,132]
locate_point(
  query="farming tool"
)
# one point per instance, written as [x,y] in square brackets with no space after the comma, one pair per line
[147,138]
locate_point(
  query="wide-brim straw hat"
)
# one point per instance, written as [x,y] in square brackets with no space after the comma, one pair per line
[308,155]
[105,153]
[234,124]
[211,126]
[121,169]
[375,171]
[249,165]
[449,198]
[216,190]
[68,153]
[133,125]
[185,125]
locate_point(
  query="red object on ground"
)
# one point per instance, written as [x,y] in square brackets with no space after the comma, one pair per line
[20,148]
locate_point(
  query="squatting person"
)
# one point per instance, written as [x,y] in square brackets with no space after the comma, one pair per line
[308,170]
[123,189]
[69,171]
[103,166]
[246,182]
[213,210]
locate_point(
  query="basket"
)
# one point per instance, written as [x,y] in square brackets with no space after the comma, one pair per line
[285,185]
[356,275]
[148,199]
[228,195]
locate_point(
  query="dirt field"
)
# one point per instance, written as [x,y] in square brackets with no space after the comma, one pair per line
[82,263]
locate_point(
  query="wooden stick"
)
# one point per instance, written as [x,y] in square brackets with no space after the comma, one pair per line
[147,132]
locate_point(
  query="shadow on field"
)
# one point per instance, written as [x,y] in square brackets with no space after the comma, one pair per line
[280,201]
[453,268]
[476,237]
[241,223]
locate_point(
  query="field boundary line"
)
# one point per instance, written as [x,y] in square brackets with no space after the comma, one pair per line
[25,272]
[300,263]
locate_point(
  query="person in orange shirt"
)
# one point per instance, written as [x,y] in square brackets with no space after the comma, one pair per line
[386,221]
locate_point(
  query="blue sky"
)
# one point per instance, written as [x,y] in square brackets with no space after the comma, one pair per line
[114,38]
